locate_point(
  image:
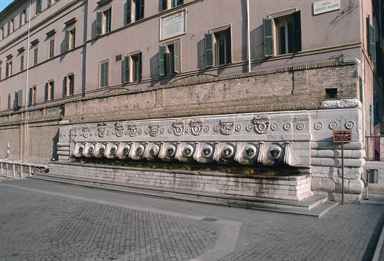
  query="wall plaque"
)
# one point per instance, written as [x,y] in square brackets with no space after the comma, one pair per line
[325,6]
[342,136]
[172,25]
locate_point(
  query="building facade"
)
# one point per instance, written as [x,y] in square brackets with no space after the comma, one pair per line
[248,89]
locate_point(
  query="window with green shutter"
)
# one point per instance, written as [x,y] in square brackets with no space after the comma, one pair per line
[282,34]
[169,57]
[218,47]
[372,43]
[104,74]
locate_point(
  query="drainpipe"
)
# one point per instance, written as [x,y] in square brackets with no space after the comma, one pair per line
[248,40]
[28,43]
[26,95]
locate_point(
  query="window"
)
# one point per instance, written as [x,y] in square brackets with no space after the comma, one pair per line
[169,58]
[282,33]
[8,68]
[1,33]
[135,10]
[32,95]
[10,26]
[371,37]
[52,47]
[133,68]
[23,18]
[218,47]
[49,91]
[103,72]
[49,3]
[68,85]
[103,22]
[35,55]
[21,61]
[167,4]
[18,102]
[38,6]
[70,36]
[9,101]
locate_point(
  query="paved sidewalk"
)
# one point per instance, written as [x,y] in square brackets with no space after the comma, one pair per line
[47,221]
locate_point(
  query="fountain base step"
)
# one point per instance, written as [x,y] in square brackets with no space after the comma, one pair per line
[310,205]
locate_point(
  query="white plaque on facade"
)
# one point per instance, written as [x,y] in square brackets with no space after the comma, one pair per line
[325,6]
[172,25]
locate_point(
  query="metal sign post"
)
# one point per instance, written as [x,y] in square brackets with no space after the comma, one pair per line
[342,136]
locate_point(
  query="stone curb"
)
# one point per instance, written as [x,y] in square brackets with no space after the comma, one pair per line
[379,246]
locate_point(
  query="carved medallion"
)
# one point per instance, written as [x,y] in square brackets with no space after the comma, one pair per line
[153,130]
[132,129]
[101,130]
[261,123]
[119,129]
[226,127]
[349,124]
[85,132]
[274,126]
[333,125]
[300,125]
[196,126]
[287,126]
[178,127]
[318,126]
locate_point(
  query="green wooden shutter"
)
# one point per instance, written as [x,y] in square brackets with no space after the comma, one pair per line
[128,14]
[228,42]
[176,56]
[104,74]
[72,85]
[268,37]
[65,81]
[15,100]
[209,54]
[66,41]
[30,96]
[20,98]
[52,90]
[21,19]
[126,69]
[99,18]
[46,92]
[139,60]
[296,18]
[162,60]
[372,43]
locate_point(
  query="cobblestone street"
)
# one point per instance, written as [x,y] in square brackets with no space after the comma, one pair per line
[48,221]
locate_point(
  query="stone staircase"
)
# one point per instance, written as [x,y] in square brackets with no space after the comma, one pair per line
[315,206]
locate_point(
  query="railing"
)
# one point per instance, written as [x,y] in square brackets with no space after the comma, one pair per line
[374,148]
[20,170]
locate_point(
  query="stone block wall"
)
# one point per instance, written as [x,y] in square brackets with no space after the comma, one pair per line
[292,188]
[30,136]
